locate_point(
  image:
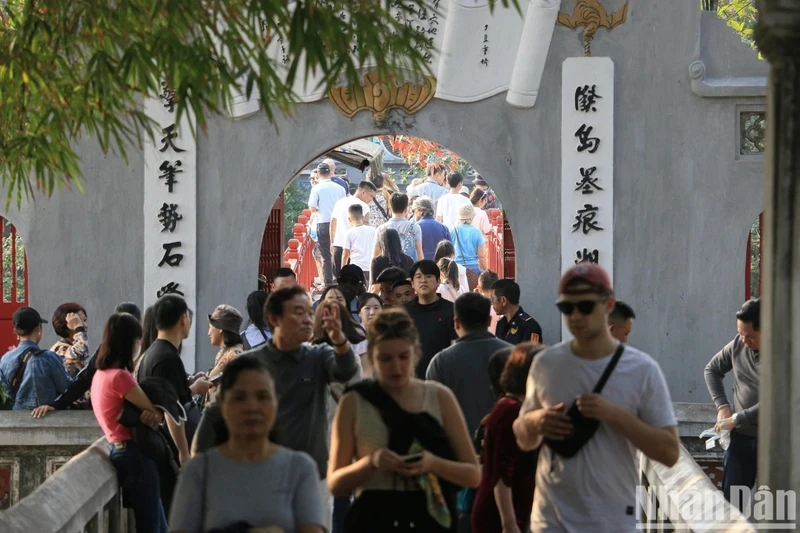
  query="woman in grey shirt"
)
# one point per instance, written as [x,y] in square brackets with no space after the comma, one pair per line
[248,479]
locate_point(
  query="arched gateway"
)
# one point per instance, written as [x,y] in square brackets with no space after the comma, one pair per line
[662,96]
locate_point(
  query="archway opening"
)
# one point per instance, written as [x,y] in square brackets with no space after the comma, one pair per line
[290,239]
[14,281]
[753,260]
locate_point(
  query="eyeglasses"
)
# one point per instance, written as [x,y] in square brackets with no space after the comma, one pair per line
[585,307]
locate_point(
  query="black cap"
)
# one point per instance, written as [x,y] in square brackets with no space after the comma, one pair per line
[351,271]
[27,318]
[324,168]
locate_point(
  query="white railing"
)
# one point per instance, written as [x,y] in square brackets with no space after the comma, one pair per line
[83,496]
[683,499]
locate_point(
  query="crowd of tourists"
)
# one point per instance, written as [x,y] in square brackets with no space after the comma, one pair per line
[378,227]
[404,399]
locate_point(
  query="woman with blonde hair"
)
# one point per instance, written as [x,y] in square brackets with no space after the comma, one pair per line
[469,244]
[400,443]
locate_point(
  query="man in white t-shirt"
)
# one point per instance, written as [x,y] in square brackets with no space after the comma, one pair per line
[321,201]
[359,240]
[595,490]
[448,205]
[340,223]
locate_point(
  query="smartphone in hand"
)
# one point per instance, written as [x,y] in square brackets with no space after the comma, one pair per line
[413,458]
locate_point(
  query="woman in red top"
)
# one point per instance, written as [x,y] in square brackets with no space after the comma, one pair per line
[111,386]
[505,497]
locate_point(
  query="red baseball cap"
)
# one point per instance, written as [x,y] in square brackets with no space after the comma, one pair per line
[591,273]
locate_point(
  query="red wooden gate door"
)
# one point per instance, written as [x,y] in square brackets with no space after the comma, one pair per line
[14,282]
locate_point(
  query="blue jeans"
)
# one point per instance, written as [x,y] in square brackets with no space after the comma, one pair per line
[739,466]
[138,479]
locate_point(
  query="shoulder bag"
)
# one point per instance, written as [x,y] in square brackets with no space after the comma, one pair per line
[384,214]
[401,511]
[583,428]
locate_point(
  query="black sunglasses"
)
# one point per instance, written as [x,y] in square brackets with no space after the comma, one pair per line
[584,306]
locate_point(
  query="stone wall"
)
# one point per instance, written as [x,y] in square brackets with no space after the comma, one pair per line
[32,450]
[684,202]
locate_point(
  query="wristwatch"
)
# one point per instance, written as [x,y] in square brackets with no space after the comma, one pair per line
[735,419]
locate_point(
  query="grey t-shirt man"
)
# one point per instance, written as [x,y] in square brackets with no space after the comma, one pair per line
[744,362]
[463,368]
[302,381]
[215,491]
[596,489]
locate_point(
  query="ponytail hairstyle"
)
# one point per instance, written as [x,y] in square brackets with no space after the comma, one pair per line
[449,270]
[393,324]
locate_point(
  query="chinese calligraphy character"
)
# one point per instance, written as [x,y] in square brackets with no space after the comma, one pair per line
[169,217]
[427,58]
[169,288]
[169,134]
[173,260]
[587,256]
[584,220]
[485,49]
[587,181]
[485,62]
[169,172]
[585,98]
[586,142]
[433,20]
[168,95]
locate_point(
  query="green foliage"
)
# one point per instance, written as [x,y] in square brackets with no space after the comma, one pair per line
[81,67]
[10,270]
[740,15]
[295,199]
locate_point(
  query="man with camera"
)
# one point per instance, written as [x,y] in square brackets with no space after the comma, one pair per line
[590,404]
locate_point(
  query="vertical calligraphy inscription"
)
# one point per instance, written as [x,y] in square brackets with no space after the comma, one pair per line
[587,163]
[170,222]
[485,46]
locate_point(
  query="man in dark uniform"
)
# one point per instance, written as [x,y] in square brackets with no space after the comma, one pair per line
[515,325]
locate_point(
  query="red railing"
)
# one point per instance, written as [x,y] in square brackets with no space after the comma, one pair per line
[299,254]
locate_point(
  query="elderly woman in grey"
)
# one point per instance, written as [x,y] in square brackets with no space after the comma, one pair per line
[433,231]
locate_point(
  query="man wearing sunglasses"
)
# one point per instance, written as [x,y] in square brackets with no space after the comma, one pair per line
[515,325]
[594,489]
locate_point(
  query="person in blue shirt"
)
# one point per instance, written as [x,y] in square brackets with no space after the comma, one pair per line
[44,377]
[433,231]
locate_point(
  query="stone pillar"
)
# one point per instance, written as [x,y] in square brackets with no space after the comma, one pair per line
[778,37]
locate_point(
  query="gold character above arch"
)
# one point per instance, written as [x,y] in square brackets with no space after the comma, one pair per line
[591,16]
[381,96]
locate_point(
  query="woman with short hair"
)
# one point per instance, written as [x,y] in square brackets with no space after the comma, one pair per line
[70,323]
[249,481]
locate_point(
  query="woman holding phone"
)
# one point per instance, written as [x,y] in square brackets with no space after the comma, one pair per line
[400,443]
